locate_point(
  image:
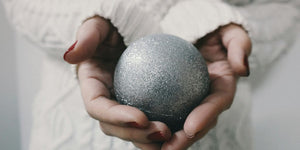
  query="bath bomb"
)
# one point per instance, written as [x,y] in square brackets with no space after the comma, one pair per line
[164,76]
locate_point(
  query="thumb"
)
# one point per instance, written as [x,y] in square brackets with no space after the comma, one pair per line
[238,45]
[90,34]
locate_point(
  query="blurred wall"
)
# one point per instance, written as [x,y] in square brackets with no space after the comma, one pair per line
[9,119]
[276,104]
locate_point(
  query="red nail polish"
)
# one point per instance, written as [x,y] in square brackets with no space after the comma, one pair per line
[246,63]
[156,136]
[70,49]
[133,124]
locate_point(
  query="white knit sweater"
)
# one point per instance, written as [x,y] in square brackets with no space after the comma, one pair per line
[60,120]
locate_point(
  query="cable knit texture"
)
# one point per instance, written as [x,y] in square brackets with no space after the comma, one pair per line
[60,121]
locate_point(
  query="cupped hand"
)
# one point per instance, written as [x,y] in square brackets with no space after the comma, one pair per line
[226,52]
[97,50]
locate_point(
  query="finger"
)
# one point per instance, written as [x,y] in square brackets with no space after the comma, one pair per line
[95,83]
[201,117]
[180,141]
[109,111]
[238,45]
[91,33]
[211,48]
[148,146]
[221,96]
[156,132]
[100,107]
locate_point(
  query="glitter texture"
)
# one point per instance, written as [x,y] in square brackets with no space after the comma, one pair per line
[164,76]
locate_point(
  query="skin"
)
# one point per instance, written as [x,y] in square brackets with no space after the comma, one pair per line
[97,51]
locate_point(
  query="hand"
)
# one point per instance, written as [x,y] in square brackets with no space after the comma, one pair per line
[97,51]
[226,52]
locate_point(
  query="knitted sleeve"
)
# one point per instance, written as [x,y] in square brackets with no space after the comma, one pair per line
[194,19]
[273,27]
[271,24]
[52,24]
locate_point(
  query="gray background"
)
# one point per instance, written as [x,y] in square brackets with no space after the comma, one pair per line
[276,118]
[9,112]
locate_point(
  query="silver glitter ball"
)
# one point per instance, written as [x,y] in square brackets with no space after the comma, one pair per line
[164,76]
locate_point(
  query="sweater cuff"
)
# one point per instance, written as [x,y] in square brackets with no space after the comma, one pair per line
[131,20]
[193,19]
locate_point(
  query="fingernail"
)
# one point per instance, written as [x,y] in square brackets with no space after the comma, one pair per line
[156,136]
[70,49]
[133,124]
[246,64]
